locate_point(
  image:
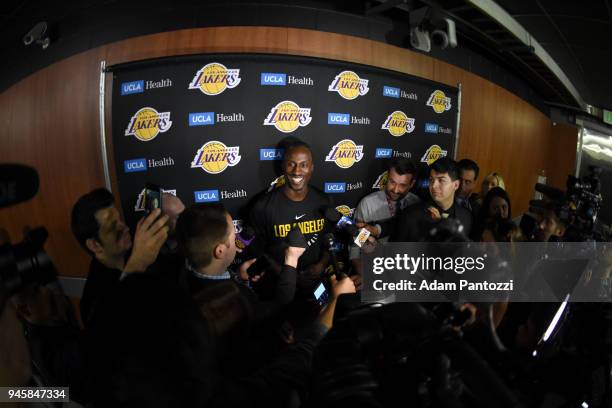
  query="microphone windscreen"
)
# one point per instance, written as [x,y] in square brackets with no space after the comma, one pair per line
[295,238]
[551,192]
[332,215]
[18,183]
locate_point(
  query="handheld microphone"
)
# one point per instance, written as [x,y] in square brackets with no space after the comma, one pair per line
[343,222]
[245,237]
[295,238]
[330,243]
[18,183]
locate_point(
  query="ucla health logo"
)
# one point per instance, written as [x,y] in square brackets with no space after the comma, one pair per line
[134,165]
[214,157]
[214,78]
[398,124]
[335,188]
[271,154]
[273,79]
[345,153]
[439,101]
[338,119]
[287,116]
[391,92]
[206,196]
[147,123]
[432,154]
[134,87]
[349,85]
[431,128]
[383,153]
[202,119]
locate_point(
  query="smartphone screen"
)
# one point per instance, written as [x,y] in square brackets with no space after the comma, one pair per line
[320,293]
[152,198]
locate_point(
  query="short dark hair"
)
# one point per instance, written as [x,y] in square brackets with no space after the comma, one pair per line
[446,165]
[402,166]
[199,229]
[295,144]
[83,218]
[467,164]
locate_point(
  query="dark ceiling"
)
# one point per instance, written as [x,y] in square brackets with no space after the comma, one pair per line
[576,34]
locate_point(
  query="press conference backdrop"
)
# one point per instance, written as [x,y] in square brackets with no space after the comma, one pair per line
[210,128]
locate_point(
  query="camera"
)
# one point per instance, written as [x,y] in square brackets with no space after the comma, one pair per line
[25,263]
[39,34]
[578,207]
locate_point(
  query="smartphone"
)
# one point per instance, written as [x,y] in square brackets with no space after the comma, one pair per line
[321,294]
[152,198]
[260,265]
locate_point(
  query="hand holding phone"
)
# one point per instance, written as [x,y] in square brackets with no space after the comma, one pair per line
[152,198]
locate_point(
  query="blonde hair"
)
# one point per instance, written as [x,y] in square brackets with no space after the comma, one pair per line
[497,177]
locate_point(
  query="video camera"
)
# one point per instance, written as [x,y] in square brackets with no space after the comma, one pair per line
[25,263]
[577,207]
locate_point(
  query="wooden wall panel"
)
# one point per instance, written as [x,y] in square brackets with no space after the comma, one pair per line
[564,139]
[50,119]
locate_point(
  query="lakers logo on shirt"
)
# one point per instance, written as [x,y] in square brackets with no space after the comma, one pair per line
[398,124]
[214,78]
[432,154]
[349,85]
[287,116]
[306,227]
[381,181]
[345,153]
[439,101]
[147,123]
[214,157]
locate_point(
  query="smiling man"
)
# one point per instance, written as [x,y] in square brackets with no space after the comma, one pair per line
[296,203]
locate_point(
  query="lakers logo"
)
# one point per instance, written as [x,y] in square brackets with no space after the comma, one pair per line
[432,154]
[349,85]
[345,153]
[214,78]
[398,124]
[278,182]
[214,157]
[439,101]
[381,181]
[287,116]
[345,210]
[147,123]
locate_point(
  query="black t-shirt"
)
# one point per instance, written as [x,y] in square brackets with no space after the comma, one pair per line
[274,215]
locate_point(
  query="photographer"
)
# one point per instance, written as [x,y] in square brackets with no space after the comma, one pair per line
[97,226]
[150,346]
